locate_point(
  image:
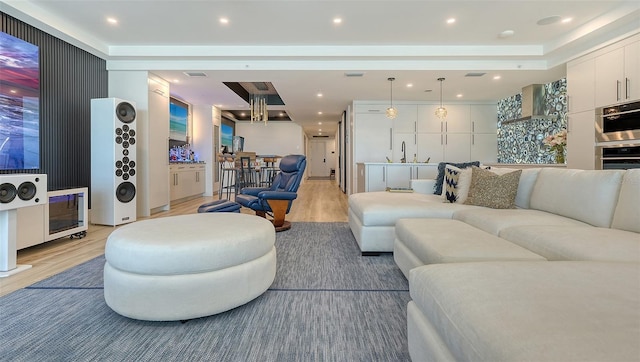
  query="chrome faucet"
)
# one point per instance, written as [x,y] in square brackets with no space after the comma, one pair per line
[404,153]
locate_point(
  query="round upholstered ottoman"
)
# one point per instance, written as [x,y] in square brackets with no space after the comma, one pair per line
[189,266]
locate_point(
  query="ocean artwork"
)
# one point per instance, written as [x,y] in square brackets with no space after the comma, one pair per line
[19,104]
[178,120]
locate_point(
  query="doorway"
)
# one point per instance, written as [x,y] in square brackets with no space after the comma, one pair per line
[318,160]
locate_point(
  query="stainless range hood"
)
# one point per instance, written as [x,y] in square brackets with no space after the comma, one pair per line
[533,103]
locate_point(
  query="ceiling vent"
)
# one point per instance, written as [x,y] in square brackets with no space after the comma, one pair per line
[354,74]
[195,74]
[474,74]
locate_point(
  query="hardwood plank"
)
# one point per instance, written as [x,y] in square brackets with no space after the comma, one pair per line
[318,201]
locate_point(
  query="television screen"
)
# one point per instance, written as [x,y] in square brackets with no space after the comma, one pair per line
[178,115]
[19,104]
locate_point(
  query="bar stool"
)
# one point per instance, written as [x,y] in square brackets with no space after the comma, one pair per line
[227,175]
[268,172]
[245,175]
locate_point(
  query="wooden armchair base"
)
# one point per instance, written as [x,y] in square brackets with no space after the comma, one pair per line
[279,209]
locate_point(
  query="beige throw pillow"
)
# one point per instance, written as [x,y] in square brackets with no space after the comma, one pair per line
[491,190]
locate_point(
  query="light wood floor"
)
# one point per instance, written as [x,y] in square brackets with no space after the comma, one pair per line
[318,201]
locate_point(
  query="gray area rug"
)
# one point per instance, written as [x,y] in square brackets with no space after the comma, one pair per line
[327,303]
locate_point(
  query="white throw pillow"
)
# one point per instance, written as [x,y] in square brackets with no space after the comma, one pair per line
[458,185]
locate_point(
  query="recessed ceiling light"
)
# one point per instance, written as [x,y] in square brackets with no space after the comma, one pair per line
[548,20]
[319,94]
[319,129]
[13,91]
[281,114]
[566,20]
[320,134]
[242,114]
[176,80]
[337,20]
[112,21]
[496,77]
[319,122]
[451,20]
[506,34]
[459,95]
[319,112]
[224,21]
[409,85]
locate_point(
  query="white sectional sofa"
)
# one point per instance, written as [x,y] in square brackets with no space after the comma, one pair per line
[480,286]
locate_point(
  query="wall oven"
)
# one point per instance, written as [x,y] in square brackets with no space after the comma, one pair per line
[618,157]
[618,123]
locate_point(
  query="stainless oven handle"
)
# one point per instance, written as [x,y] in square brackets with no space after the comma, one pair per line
[619,113]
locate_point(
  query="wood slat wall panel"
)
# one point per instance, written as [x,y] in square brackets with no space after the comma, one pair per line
[69,78]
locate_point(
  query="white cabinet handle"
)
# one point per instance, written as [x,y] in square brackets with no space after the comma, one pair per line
[617,90]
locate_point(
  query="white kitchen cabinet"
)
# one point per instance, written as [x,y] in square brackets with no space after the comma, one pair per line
[616,75]
[398,175]
[373,133]
[379,176]
[457,147]
[632,70]
[457,120]
[376,177]
[581,141]
[467,128]
[405,121]
[186,181]
[581,80]
[430,147]
[484,136]
[609,77]
[158,153]
[484,118]
[484,147]
[439,147]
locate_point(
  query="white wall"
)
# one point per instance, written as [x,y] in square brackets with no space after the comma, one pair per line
[276,138]
[204,117]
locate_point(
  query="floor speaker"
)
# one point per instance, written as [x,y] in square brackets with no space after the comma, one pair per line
[22,190]
[113,161]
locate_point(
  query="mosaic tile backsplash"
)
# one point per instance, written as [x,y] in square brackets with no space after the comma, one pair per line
[522,141]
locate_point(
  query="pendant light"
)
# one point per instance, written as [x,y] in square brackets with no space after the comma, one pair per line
[441,112]
[391,112]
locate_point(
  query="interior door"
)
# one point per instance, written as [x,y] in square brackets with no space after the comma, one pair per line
[318,159]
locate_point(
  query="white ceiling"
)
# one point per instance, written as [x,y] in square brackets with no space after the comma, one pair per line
[296,46]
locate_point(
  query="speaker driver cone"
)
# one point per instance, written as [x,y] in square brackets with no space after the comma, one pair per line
[125,112]
[27,190]
[8,192]
[125,192]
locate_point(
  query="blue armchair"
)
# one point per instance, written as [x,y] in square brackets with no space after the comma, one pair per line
[276,200]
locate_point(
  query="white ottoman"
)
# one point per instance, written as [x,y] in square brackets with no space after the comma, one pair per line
[189,266]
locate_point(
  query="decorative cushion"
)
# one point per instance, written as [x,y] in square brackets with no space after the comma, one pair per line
[456,184]
[491,190]
[440,178]
[449,188]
